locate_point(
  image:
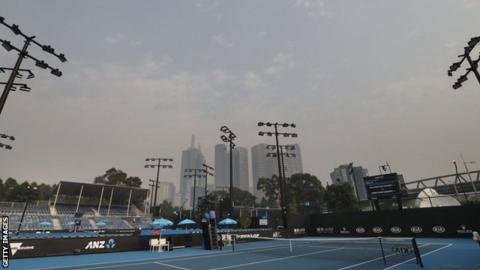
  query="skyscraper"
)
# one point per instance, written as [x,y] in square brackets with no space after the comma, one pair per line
[192,158]
[266,167]
[166,191]
[353,175]
[240,177]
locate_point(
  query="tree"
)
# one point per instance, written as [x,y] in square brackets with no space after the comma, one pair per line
[117,177]
[2,190]
[11,188]
[304,193]
[240,197]
[269,186]
[341,198]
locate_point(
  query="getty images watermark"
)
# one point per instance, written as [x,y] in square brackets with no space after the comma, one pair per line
[5,258]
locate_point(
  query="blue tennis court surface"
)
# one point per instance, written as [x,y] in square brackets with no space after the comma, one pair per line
[436,254]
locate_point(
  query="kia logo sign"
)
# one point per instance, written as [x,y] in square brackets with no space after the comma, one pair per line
[438,229]
[416,229]
[360,230]
[396,229]
[377,230]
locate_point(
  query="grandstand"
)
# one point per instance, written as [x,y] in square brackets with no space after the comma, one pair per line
[93,206]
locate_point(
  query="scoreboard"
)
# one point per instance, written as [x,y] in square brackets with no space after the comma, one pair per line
[385,186]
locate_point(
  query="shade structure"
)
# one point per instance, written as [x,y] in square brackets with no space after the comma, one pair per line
[186,222]
[162,222]
[227,221]
[45,223]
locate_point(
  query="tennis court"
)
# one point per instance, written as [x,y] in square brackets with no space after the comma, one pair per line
[277,255]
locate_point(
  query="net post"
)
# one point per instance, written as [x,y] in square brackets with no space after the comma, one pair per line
[291,247]
[417,252]
[383,252]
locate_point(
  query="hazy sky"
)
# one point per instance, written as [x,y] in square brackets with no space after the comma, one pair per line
[365,81]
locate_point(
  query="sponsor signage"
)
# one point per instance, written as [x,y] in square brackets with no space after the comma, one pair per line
[396,229]
[17,246]
[110,243]
[416,229]
[325,230]
[360,230]
[248,236]
[438,229]
[344,230]
[5,244]
[377,229]
[464,230]
[299,231]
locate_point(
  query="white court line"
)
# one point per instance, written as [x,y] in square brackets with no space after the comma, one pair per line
[273,260]
[423,255]
[150,260]
[372,260]
[172,266]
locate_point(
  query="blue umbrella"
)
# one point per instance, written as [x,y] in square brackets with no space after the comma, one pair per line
[227,221]
[45,223]
[186,222]
[162,222]
[101,224]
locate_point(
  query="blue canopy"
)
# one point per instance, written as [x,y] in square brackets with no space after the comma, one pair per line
[45,223]
[161,222]
[227,221]
[186,222]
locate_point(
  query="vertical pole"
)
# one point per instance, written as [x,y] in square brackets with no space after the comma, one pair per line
[282,192]
[383,252]
[461,184]
[56,195]
[11,79]
[129,199]
[194,187]
[100,202]
[156,184]
[468,173]
[231,178]
[110,202]
[24,210]
[79,198]
[206,180]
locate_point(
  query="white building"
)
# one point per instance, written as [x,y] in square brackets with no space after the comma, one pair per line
[353,175]
[166,191]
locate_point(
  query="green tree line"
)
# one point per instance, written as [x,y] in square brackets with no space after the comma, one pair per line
[13,191]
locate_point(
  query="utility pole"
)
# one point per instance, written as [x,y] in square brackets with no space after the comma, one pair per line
[157,164]
[229,137]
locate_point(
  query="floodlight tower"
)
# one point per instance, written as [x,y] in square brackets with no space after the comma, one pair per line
[473,64]
[281,179]
[229,137]
[6,146]
[157,164]
[23,53]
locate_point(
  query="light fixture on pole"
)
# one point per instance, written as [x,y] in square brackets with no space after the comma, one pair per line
[194,173]
[157,163]
[282,187]
[229,137]
[473,64]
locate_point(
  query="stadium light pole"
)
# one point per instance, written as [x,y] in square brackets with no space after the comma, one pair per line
[208,170]
[6,146]
[23,53]
[473,64]
[458,178]
[30,189]
[196,173]
[152,185]
[229,137]
[280,178]
[157,163]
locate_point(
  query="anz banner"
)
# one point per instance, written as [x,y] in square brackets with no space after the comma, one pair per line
[455,221]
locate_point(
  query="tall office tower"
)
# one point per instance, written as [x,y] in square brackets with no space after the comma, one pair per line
[353,175]
[240,168]
[222,166]
[240,175]
[266,167]
[166,191]
[192,158]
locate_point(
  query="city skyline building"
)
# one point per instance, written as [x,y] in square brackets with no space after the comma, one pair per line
[241,174]
[354,176]
[266,167]
[192,158]
[166,191]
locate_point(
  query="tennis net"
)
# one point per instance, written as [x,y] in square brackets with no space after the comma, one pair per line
[369,249]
